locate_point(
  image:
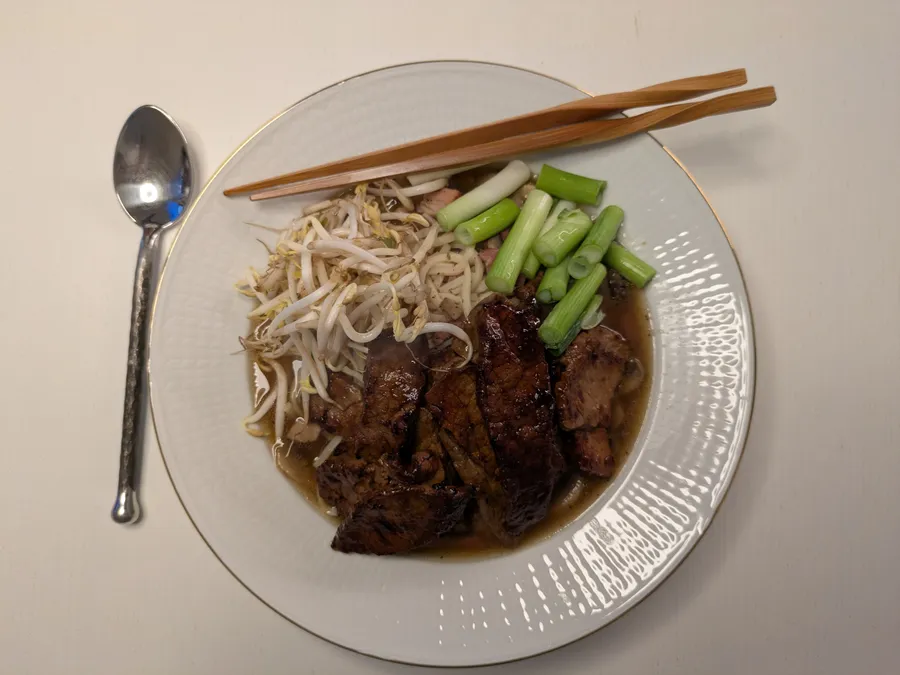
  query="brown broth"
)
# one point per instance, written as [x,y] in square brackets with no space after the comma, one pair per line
[629,318]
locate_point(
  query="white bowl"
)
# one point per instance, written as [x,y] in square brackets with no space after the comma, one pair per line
[458,612]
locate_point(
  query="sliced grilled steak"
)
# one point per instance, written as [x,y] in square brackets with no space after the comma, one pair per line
[376,419]
[592,452]
[375,425]
[591,368]
[590,371]
[464,436]
[516,401]
[344,480]
[426,465]
[394,380]
[400,520]
[346,411]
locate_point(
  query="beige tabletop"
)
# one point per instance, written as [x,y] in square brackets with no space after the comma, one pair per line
[799,573]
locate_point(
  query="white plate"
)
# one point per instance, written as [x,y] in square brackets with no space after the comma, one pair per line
[423,610]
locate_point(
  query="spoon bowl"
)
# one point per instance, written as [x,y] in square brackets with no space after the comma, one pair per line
[151,169]
[152,177]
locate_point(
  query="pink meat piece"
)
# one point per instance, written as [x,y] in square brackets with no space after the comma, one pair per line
[434,202]
[487,255]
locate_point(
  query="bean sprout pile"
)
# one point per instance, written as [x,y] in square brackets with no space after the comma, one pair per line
[339,274]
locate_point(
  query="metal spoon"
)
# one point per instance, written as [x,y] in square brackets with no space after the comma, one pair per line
[152,176]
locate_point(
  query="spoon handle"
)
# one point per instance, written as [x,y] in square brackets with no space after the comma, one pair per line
[127,509]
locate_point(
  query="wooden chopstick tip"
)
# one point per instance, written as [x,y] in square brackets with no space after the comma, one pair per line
[766,95]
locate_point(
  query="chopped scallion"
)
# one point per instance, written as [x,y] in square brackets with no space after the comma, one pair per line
[513,176]
[506,267]
[571,186]
[629,265]
[485,225]
[532,264]
[554,284]
[569,310]
[598,239]
[555,244]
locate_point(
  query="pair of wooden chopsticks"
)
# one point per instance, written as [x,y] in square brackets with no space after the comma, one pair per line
[577,123]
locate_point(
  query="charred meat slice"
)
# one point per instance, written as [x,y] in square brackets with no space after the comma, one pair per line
[344,480]
[442,362]
[464,436]
[394,380]
[462,429]
[400,520]
[426,465]
[591,368]
[592,452]
[590,372]
[346,411]
[514,394]
[375,425]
